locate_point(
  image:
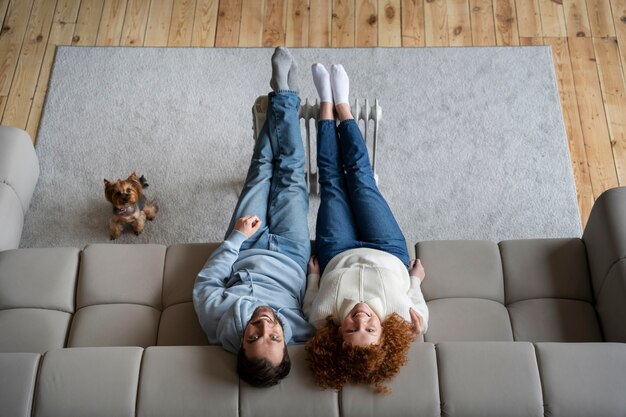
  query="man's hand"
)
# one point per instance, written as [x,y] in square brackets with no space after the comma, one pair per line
[416,269]
[313,267]
[417,322]
[248,225]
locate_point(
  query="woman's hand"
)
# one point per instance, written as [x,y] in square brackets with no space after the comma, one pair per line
[313,267]
[248,225]
[417,322]
[416,269]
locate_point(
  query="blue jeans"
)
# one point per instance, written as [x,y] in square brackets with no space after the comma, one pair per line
[352,213]
[275,188]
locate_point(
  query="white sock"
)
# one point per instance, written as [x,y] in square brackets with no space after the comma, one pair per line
[340,84]
[321,79]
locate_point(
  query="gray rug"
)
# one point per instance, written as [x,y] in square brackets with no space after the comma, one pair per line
[472,144]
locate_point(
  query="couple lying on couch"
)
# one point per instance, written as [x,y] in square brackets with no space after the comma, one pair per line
[360,317]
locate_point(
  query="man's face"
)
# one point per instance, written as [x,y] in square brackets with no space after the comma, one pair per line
[361,327]
[263,337]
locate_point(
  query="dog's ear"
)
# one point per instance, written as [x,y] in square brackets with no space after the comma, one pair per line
[108,190]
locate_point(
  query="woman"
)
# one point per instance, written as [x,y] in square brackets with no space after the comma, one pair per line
[367,306]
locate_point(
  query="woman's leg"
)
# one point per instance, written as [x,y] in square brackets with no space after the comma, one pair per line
[375,223]
[335,230]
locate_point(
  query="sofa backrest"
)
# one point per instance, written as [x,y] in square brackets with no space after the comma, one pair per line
[140,295]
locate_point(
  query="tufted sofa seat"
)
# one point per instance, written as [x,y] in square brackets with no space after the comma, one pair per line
[517,328]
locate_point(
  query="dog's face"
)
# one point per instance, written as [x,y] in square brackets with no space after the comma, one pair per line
[123,193]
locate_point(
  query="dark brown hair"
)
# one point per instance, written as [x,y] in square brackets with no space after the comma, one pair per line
[335,363]
[260,372]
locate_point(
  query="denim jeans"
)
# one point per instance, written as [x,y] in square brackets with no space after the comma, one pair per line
[275,188]
[352,213]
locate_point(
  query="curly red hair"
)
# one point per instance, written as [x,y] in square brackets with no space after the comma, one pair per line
[334,363]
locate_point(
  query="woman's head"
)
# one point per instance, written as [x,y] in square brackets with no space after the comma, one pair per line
[361,326]
[335,362]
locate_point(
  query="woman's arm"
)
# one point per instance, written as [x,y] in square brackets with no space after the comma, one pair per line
[312,286]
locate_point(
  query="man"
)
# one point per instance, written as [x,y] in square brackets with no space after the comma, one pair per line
[248,296]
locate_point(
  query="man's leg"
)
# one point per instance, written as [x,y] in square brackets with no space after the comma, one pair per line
[288,203]
[376,225]
[255,193]
[335,229]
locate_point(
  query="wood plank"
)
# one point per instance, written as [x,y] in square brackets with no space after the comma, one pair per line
[88,22]
[320,23]
[483,25]
[413,24]
[505,17]
[228,23]
[592,116]
[205,23]
[459,23]
[3,104]
[29,64]
[389,23]
[600,18]
[135,23]
[529,18]
[576,18]
[181,25]
[159,22]
[618,8]
[251,29]
[366,23]
[62,33]
[4,6]
[11,39]
[342,34]
[111,23]
[573,127]
[614,97]
[534,41]
[274,23]
[552,18]
[297,34]
[436,23]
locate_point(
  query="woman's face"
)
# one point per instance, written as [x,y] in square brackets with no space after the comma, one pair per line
[361,327]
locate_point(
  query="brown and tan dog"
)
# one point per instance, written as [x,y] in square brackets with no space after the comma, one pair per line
[130,205]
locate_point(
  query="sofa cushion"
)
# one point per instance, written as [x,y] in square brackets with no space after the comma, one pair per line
[195,378]
[464,291]
[414,391]
[610,303]
[179,322]
[18,372]
[11,218]
[33,330]
[485,379]
[119,296]
[38,278]
[89,382]
[583,379]
[115,325]
[297,394]
[37,289]
[554,320]
[548,290]
[467,319]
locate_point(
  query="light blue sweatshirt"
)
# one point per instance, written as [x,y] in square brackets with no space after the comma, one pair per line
[232,284]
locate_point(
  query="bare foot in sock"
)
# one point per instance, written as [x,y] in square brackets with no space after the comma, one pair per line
[340,84]
[281,64]
[292,78]
[321,79]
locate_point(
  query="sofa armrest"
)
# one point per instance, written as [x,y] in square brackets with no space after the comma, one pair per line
[19,172]
[605,241]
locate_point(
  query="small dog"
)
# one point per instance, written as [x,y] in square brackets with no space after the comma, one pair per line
[130,205]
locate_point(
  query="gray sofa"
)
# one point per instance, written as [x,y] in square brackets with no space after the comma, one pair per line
[517,328]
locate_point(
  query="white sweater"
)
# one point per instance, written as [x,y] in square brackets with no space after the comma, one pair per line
[363,275]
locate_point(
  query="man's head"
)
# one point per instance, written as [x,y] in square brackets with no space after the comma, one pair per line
[263,359]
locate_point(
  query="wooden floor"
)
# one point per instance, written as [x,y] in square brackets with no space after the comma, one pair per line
[588,40]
